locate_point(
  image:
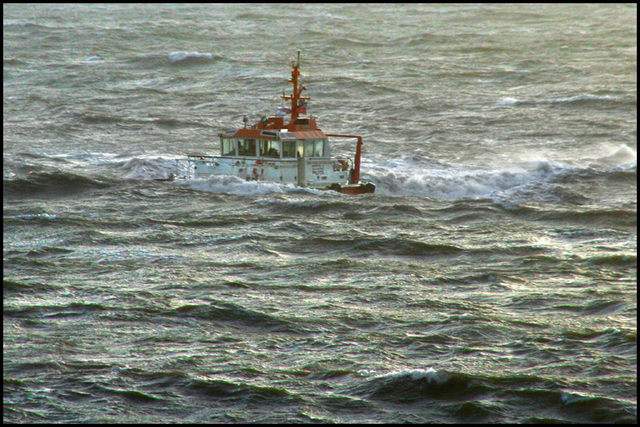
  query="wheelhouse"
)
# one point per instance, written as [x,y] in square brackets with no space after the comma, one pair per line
[274,148]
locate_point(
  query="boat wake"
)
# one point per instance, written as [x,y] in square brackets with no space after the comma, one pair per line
[235,185]
[534,181]
[406,178]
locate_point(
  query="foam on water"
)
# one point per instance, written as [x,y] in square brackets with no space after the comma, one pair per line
[190,56]
[406,178]
[149,169]
[430,375]
[580,98]
[533,179]
[234,185]
[617,156]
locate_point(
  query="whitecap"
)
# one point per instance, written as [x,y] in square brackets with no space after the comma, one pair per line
[190,56]
[430,375]
[623,156]
[571,398]
[578,98]
[508,101]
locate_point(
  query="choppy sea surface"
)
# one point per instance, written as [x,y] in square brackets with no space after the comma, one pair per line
[492,277]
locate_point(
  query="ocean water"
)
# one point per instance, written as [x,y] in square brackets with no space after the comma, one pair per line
[492,277]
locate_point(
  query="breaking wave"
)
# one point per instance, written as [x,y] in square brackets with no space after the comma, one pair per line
[537,181]
[191,57]
[405,178]
[469,396]
[157,60]
[145,169]
[53,183]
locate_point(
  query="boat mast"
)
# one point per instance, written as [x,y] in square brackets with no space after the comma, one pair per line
[295,96]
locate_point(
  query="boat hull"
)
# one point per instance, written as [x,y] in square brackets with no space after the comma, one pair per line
[359,188]
[318,173]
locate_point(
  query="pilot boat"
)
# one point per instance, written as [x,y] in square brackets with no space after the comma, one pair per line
[297,152]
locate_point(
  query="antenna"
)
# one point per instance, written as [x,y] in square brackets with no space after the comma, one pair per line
[297,91]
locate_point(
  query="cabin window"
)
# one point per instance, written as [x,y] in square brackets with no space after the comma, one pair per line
[289,149]
[229,146]
[270,148]
[247,147]
[314,148]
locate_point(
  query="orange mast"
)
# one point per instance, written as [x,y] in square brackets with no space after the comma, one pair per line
[296,105]
[295,96]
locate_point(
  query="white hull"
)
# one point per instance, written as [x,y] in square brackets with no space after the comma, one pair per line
[315,172]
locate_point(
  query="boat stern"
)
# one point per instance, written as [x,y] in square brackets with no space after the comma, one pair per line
[359,188]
